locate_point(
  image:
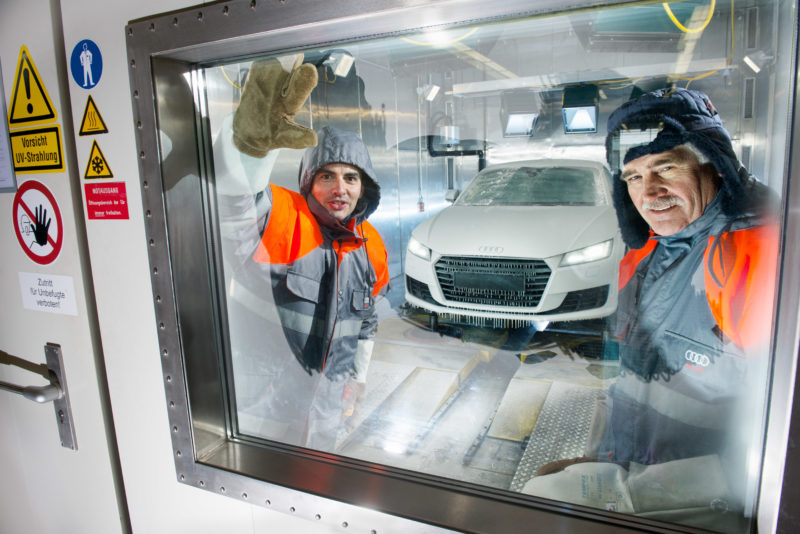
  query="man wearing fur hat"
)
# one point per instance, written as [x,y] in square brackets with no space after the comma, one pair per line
[325,264]
[693,322]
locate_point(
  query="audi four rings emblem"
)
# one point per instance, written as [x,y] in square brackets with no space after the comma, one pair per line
[697,358]
[488,249]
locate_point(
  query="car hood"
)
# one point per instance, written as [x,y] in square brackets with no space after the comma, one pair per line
[516,231]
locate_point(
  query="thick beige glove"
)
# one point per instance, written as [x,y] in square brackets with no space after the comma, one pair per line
[678,486]
[601,485]
[270,99]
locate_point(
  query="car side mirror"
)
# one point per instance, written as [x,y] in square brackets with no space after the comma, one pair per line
[451,195]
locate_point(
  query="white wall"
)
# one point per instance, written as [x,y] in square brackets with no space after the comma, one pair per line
[48,488]
[121,275]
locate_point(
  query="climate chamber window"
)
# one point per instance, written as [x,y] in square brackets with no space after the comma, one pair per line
[466,306]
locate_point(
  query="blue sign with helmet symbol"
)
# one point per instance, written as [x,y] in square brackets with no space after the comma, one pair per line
[86,64]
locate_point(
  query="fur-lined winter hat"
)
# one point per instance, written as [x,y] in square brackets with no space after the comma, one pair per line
[659,121]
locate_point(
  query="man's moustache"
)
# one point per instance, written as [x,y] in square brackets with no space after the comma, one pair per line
[662,203]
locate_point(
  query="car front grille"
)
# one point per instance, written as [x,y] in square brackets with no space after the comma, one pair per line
[585,299]
[492,281]
[419,290]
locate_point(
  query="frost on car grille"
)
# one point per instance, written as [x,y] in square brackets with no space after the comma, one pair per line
[492,281]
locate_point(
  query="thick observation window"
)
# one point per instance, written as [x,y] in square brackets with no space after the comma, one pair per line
[412,256]
[528,185]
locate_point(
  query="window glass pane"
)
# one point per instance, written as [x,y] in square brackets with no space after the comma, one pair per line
[408,283]
[531,186]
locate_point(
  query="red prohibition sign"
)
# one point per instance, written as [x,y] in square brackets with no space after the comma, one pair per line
[25,206]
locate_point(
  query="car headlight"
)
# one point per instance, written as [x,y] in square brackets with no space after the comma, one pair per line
[595,252]
[418,249]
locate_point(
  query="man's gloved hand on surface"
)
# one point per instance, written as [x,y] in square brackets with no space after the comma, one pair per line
[270,99]
[685,487]
[559,465]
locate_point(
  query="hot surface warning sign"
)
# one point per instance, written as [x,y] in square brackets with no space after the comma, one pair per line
[92,122]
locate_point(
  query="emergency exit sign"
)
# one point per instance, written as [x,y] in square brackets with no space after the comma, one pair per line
[106,201]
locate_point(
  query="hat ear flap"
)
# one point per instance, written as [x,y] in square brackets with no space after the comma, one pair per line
[732,183]
[635,231]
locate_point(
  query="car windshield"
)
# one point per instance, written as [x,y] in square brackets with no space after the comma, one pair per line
[525,186]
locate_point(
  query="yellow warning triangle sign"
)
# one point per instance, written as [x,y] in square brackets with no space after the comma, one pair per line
[92,122]
[97,166]
[30,103]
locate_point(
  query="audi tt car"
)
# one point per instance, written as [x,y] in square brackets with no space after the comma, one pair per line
[530,241]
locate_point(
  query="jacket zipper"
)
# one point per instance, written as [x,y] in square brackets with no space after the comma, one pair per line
[336,313]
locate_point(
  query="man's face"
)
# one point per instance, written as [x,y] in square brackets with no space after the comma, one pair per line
[670,189]
[337,187]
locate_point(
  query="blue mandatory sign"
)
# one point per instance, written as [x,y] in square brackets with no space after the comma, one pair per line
[86,64]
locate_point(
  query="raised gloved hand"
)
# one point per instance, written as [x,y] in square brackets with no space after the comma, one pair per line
[270,99]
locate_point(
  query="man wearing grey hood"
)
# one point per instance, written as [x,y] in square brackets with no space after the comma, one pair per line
[324,262]
[683,424]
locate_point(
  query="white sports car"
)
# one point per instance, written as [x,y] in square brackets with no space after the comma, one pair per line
[529,241]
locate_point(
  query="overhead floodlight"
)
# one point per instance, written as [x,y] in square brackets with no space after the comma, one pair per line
[519,112]
[429,92]
[340,63]
[757,60]
[752,64]
[520,124]
[579,109]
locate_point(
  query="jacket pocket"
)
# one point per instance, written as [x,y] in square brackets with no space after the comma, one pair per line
[361,300]
[302,286]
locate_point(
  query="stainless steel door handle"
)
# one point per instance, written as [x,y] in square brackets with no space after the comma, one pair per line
[40,394]
[55,391]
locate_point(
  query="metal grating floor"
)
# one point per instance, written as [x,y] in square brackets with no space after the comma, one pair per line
[561,431]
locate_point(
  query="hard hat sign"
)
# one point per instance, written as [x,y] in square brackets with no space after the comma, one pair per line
[37,222]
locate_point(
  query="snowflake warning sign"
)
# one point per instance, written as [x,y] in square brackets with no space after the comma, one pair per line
[97,166]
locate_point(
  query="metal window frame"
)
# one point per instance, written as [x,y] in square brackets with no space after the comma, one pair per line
[308,483]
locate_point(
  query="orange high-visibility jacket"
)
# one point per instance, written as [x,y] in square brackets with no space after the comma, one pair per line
[693,328]
[324,289]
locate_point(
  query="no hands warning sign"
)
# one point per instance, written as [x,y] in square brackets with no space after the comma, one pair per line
[37,222]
